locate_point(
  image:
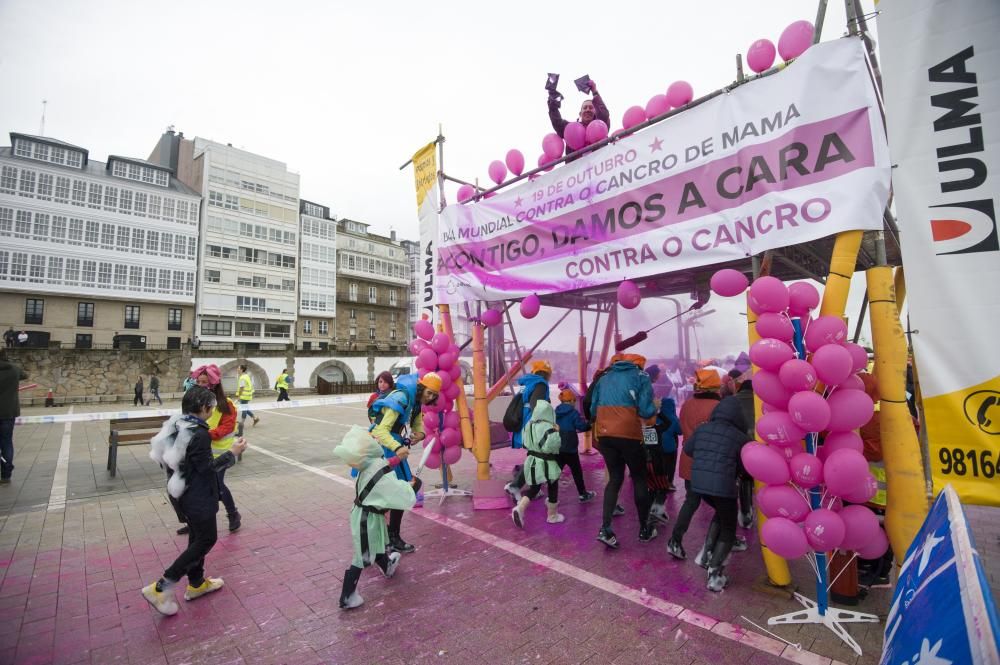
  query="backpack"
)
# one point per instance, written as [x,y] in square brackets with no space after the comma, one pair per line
[588,397]
[513,417]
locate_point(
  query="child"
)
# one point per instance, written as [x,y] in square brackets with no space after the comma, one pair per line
[377,491]
[663,458]
[542,441]
[570,422]
[184,448]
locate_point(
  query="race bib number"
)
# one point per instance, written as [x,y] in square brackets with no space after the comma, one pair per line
[650,437]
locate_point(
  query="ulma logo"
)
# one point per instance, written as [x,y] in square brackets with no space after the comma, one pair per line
[964,228]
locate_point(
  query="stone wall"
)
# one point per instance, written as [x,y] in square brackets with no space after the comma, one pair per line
[107,375]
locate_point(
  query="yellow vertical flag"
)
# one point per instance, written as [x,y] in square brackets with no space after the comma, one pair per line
[424,171]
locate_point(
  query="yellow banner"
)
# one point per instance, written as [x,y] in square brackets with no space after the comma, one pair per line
[963,429]
[424,170]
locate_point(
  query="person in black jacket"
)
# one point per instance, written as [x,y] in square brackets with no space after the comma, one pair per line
[590,110]
[715,450]
[184,447]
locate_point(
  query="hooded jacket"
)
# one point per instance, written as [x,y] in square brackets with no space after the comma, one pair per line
[622,398]
[535,388]
[715,450]
[570,424]
[668,426]
[10,375]
[695,411]
[184,447]
[394,413]
[541,439]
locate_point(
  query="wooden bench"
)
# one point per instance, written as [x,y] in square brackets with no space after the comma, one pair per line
[131,432]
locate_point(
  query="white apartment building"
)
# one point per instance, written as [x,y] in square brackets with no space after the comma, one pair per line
[412,249]
[248,250]
[317,326]
[92,250]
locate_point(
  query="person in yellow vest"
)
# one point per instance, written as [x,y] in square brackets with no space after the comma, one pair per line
[282,384]
[244,393]
[222,430]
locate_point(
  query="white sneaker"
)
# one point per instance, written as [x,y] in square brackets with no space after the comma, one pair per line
[717,580]
[517,514]
[390,568]
[553,510]
[354,600]
[514,492]
[740,544]
[163,601]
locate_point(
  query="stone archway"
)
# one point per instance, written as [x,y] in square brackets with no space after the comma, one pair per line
[230,374]
[333,371]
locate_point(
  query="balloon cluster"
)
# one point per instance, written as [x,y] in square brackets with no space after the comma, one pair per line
[436,352]
[794,41]
[787,386]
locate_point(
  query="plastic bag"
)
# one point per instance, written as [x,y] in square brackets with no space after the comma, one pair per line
[357,446]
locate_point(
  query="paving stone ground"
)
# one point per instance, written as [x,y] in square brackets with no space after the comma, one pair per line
[476,591]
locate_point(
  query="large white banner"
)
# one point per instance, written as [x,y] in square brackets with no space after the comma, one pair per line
[941,75]
[425,177]
[783,160]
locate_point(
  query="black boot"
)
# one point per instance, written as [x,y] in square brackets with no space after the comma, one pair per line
[235,521]
[349,596]
[711,538]
[398,544]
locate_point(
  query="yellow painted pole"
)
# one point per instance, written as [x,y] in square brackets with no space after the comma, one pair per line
[899,286]
[838,282]
[907,503]
[480,408]
[581,352]
[462,401]
[777,568]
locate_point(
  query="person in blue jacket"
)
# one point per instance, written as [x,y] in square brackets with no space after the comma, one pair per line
[570,424]
[663,458]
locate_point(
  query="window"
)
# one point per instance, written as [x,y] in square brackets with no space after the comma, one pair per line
[164,280]
[247,329]
[392,333]
[307,327]
[179,246]
[152,242]
[37,271]
[215,198]
[182,210]
[125,203]
[161,180]
[179,281]
[121,275]
[44,186]
[141,200]
[107,236]
[22,227]
[213,276]
[84,341]
[94,195]
[22,148]
[75,231]
[42,151]
[166,243]
[89,273]
[277,330]
[41,228]
[85,314]
[251,304]
[134,277]
[174,319]
[154,205]
[353,315]
[168,208]
[79,192]
[62,189]
[34,308]
[138,239]
[131,316]
[371,318]
[149,279]
[371,333]
[133,172]
[173,342]
[72,270]
[324,328]
[8,179]
[223,328]
[111,198]
[104,275]
[124,239]
[392,297]
[18,266]
[118,169]
[6,221]
[353,292]
[55,269]
[372,294]
[58,156]
[27,183]
[93,230]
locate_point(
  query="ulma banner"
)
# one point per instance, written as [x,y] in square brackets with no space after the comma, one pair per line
[426,180]
[941,74]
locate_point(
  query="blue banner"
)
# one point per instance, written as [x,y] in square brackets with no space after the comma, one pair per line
[942,612]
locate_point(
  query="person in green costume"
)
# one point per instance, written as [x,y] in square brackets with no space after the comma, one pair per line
[542,441]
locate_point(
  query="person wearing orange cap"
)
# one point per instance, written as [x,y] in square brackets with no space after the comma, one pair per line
[534,387]
[397,412]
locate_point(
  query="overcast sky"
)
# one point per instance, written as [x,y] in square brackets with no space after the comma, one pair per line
[345,92]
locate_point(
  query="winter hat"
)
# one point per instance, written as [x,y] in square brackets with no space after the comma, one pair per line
[541,366]
[654,372]
[707,380]
[566,395]
[211,371]
[634,358]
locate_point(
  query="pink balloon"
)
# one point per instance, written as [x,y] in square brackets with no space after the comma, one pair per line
[552,146]
[844,471]
[797,374]
[430,421]
[491,317]
[825,330]
[423,329]
[802,298]
[768,294]
[634,115]
[434,459]
[876,547]
[497,171]
[776,325]
[824,530]
[530,306]
[864,492]
[779,429]
[452,455]
[679,93]
[835,441]
[769,388]
[446,404]
[445,380]
[515,161]
[455,372]
[861,526]
[454,350]
[427,359]
[795,39]
[770,354]
[760,55]
[440,342]
[832,363]
[421,372]
[451,392]
[465,192]
[859,357]
[657,105]
[452,420]
[782,501]
[446,361]
[450,437]
[418,345]
[764,463]
[575,135]
[807,470]
[849,409]
[629,296]
[853,382]
[784,537]
[596,131]
[809,411]
[728,282]
[767,408]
